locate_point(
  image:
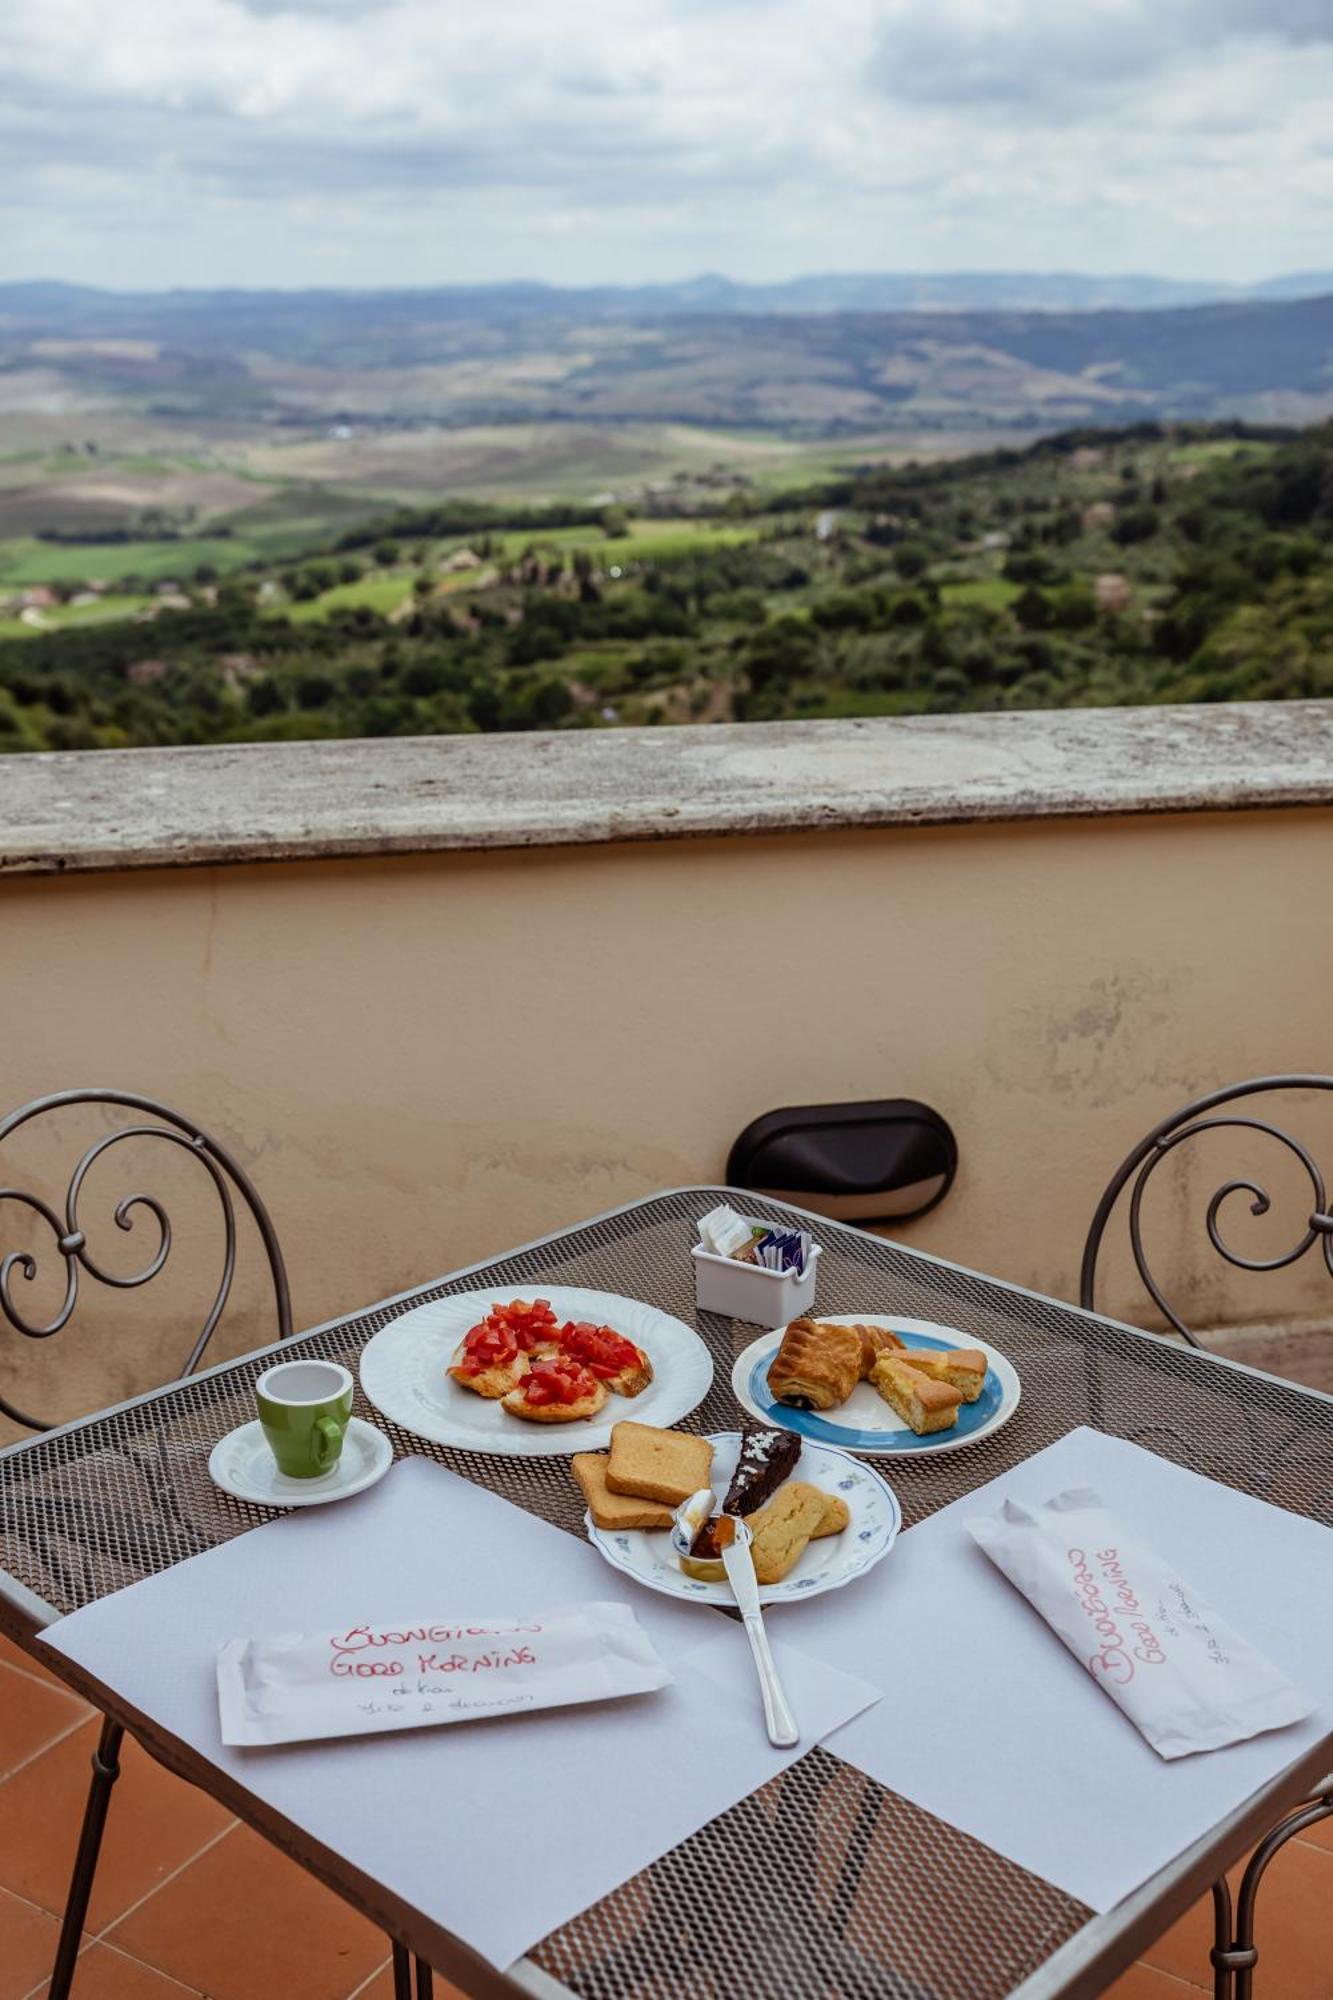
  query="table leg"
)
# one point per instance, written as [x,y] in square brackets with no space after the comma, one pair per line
[402,1973]
[1223,1977]
[1245,1954]
[1235,1953]
[425,1981]
[106,1769]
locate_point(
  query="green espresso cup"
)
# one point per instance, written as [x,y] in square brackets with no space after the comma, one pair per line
[305,1408]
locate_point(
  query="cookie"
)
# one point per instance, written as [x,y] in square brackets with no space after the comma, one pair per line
[783,1529]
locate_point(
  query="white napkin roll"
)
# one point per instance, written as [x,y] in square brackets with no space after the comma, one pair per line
[1184,1678]
[420,1673]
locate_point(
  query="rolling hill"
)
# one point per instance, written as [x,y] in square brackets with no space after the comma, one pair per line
[792,358]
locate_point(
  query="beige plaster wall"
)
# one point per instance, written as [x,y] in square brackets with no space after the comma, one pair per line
[425,1060]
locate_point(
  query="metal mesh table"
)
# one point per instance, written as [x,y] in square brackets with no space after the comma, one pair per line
[850,1891]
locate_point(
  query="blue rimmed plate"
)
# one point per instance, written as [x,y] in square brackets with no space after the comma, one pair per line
[826,1564]
[865,1423]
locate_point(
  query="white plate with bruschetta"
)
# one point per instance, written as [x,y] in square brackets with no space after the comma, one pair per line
[535,1373]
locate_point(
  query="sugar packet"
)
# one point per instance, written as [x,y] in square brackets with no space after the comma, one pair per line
[1185,1679]
[419,1673]
[724,1233]
[784,1250]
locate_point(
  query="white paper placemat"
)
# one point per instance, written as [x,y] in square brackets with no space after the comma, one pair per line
[445,1819]
[1010,1739]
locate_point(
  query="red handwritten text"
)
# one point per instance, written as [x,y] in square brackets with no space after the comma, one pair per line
[349,1650]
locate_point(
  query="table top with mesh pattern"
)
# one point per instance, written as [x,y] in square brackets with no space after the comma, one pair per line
[851,1891]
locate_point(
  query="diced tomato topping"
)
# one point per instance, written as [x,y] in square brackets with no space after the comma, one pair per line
[557,1381]
[600,1348]
[529,1321]
[487,1346]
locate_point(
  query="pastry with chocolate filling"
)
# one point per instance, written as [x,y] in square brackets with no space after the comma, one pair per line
[766,1459]
[820,1362]
[817,1365]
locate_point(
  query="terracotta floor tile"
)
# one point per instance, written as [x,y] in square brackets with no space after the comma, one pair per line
[27,1945]
[1147,1982]
[156,1824]
[381,1987]
[1321,1834]
[105,1974]
[32,1715]
[1183,1950]
[243,1922]
[14,1656]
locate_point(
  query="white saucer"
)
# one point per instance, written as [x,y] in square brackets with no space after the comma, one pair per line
[242,1464]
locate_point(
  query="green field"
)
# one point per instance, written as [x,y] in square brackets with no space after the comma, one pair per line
[645,538]
[29,561]
[32,562]
[383,593]
[953,588]
[991,593]
[109,609]
[384,590]
[1214,451]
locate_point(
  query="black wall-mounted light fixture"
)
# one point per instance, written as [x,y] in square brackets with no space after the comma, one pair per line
[878,1161]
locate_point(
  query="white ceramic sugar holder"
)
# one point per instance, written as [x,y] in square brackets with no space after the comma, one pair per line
[749,1292]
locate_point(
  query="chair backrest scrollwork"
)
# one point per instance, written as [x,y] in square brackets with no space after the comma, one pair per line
[71,1243]
[1206,1114]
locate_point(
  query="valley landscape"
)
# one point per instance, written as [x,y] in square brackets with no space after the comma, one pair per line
[237,516]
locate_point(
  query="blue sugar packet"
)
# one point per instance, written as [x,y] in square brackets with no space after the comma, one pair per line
[784,1250]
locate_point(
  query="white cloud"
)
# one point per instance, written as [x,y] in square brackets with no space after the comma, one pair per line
[290,141]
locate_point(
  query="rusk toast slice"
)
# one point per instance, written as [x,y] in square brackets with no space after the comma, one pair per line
[614,1510]
[652,1464]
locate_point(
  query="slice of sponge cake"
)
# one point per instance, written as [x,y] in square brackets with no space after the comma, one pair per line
[924,1405]
[964,1368]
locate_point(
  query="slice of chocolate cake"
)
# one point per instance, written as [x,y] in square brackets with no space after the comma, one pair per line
[766,1459]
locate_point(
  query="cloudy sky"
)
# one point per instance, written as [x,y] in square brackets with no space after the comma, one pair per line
[161,142]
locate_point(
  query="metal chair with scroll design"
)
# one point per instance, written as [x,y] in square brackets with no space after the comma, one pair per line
[1234,1954]
[71,1243]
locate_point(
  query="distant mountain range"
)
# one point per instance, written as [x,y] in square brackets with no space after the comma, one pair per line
[816,355]
[893,291]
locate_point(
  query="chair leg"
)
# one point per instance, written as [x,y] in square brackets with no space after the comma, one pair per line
[402,1973]
[425,1981]
[106,1769]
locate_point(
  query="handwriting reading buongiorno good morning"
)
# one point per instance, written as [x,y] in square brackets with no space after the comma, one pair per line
[1115,1657]
[349,1650]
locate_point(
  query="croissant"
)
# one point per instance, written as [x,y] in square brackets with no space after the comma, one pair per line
[874,1341]
[819,1363]
[816,1366]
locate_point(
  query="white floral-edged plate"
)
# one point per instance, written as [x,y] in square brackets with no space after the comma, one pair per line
[403,1371]
[865,1423]
[827,1564]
